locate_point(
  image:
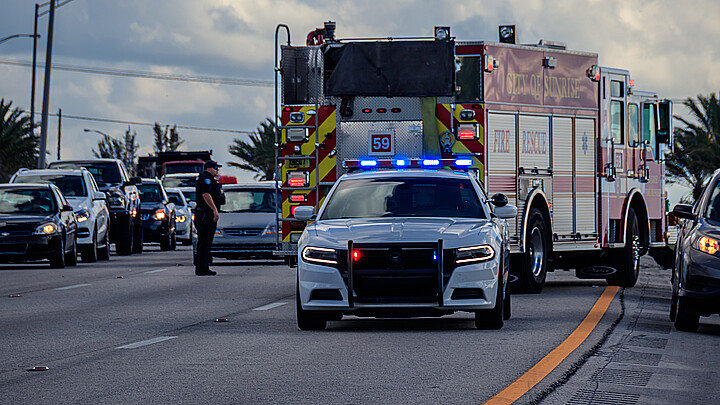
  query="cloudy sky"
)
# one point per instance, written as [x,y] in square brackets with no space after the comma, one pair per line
[669,46]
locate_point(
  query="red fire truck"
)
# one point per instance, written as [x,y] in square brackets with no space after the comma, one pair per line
[572,144]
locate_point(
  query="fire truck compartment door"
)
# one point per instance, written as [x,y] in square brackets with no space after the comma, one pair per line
[534,142]
[563,208]
[501,159]
[585,197]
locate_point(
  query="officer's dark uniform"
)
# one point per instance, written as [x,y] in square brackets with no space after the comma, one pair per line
[204,223]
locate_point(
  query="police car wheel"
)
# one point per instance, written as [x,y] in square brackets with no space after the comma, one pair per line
[687,318]
[308,320]
[492,319]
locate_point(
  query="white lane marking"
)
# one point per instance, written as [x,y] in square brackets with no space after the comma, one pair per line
[146,342]
[71,287]
[155,271]
[269,306]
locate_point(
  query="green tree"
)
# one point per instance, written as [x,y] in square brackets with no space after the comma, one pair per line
[125,149]
[166,140]
[697,145]
[258,155]
[18,140]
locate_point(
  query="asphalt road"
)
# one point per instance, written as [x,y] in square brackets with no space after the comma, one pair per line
[151,337]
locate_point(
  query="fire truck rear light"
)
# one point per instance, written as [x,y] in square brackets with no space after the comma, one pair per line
[367,110]
[593,73]
[296,135]
[298,198]
[490,63]
[297,117]
[395,110]
[467,115]
[381,110]
[368,163]
[430,162]
[287,109]
[297,178]
[465,162]
[467,132]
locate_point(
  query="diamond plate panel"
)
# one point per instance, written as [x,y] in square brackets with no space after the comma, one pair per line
[409,109]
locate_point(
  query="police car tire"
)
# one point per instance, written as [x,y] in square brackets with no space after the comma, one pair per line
[492,319]
[89,254]
[58,260]
[308,320]
[521,265]
[104,252]
[166,242]
[628,268]
[137,246]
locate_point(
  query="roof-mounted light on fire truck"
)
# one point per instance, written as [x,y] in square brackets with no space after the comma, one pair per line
[593,73]
[442,33]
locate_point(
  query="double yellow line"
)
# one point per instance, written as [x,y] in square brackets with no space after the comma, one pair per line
[540,370]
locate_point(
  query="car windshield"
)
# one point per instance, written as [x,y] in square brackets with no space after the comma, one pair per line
[713,209]
[183,168]
[404,197]
[189,195]
[173,182]
[104,172]
[150,193]
[249,200]
[70,185]
[26,201]
[177,195]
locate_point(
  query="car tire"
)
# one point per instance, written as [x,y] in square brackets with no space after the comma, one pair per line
[628,268]
[104,251]
[308,320]
[673,307]
[137,246]
[166,242]
[89,254]
[173,242]
[687,318]
[507,310]
[124,243]
[492,319]
[530,269]
[57,261]
[71,257]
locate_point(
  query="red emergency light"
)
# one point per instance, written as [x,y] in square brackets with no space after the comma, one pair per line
[466,132]
[297,178]
[298,198]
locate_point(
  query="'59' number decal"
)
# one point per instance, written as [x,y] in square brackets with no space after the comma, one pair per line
[381,143]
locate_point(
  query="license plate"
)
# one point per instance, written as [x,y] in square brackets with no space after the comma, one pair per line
[299,163]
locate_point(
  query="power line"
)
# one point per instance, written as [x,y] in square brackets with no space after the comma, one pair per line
[146,75]
[58,5]
[147,124]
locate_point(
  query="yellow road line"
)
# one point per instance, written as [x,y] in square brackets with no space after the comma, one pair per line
[540,370]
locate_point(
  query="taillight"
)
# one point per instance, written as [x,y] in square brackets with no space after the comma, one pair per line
[297,178]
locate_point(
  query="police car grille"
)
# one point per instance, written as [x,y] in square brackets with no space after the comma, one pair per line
[243,231]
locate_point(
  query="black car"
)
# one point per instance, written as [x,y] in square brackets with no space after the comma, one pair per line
[36,222]
[696,274]
[158,214]
[122,200]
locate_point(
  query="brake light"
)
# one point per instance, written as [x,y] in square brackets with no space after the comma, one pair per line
[297,179]
[298,197]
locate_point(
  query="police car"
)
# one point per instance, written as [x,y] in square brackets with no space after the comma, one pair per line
[404,243]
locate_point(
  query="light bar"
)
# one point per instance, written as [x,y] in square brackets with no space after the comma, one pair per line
[463,162]
[368,163]
[430,162]
[401,163]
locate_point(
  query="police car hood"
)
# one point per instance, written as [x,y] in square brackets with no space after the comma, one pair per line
[455,232]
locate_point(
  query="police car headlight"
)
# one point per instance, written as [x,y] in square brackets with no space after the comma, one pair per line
[473,254]
[319,255]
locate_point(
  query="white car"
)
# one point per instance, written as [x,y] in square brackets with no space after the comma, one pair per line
[179,180]
[183,216]
[88,202]
[409,242]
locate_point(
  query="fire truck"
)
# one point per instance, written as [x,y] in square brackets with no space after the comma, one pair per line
[572,144]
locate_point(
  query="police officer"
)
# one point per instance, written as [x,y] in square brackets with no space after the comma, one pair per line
[209,199]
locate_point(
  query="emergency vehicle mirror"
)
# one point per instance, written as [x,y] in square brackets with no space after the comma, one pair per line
[664,131]
[499,200]
[304,213]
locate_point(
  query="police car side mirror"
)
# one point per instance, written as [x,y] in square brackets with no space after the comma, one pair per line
[192,205]
[505,212]
[499,200]
[99,195]
[304,213]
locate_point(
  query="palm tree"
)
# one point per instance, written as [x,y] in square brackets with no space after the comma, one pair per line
[697,146]
[125,149]
[167,140]
[258,155]
[18,140]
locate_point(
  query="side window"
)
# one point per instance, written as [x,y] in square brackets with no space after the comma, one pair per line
[649,126]
[616,121]
[634,125]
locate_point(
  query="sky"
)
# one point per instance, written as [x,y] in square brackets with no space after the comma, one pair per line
[669,47]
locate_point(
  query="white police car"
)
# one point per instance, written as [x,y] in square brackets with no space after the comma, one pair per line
[405,243]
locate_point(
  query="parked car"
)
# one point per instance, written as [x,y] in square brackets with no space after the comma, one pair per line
[158,214]
[177,180]
[91,213]
[184,218]
[696,274]
[404,243]
[37,222]
[246,228]
[123,200]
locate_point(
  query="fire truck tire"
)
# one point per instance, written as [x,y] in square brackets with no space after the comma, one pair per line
[628,268]
[308,320]
[531,268]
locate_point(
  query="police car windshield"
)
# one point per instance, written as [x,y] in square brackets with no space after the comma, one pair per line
[404,197]
[70,185]
[249,200]
[713,208]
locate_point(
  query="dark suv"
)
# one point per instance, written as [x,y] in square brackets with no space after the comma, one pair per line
[158,214]
[123,200]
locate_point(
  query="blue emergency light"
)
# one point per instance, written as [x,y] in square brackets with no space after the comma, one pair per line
[368,163]
[430,162]
[401,163]
[463,162]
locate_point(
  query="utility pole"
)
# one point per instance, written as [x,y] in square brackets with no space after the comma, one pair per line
[32,87]
[59,130]
[46,89]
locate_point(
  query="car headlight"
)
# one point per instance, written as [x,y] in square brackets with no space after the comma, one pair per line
[320,255]
[46,229]
[270,230]
[218,232]
[82,215]
[180,218]
[474,254]
[708,245]
[159,214]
